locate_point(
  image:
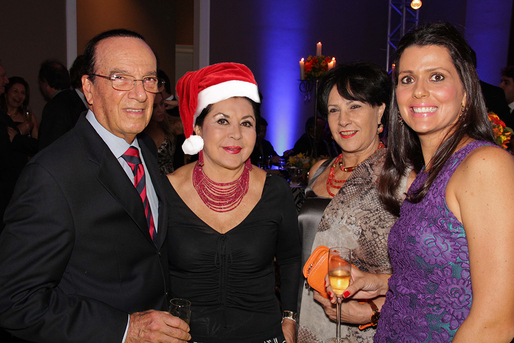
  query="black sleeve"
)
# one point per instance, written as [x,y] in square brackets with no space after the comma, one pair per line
[288,248]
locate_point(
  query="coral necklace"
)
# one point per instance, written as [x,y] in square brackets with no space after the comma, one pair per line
[221,197]
[337,184]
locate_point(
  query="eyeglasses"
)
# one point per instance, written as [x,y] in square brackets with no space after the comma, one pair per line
[122,82]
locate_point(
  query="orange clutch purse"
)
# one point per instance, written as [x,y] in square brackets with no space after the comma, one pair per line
[316,269]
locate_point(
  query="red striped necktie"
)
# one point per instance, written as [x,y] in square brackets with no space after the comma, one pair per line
[134,161]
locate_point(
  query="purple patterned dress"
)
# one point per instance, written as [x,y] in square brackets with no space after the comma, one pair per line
[430,291]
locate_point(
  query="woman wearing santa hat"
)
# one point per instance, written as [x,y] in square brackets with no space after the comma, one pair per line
[230,220]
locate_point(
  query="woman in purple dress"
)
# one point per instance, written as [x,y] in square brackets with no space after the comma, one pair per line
[452,248]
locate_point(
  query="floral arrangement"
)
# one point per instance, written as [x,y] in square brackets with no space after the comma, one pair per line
[301,161]
[502,133]
[316,66]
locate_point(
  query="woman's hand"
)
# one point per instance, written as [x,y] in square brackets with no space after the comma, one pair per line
[24,128]
[363,286]
[352,311]
[289,330]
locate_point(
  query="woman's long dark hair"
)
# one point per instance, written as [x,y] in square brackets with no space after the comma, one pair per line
[404,146]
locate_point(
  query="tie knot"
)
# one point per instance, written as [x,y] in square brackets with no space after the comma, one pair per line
[132,157]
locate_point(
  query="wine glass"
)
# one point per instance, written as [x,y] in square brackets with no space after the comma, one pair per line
[181,308]
[339,276]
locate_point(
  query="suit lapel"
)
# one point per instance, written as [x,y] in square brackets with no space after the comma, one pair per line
[114,179]
[112,176]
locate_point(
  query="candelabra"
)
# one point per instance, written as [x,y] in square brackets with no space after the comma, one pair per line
[315,68]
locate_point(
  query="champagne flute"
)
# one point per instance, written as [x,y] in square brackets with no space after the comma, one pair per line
[339,276]
[181,308]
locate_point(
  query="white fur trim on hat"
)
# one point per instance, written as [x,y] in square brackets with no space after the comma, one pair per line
[225,90]
[192,145]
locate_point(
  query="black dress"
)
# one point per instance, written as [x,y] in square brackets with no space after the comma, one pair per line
[230,278]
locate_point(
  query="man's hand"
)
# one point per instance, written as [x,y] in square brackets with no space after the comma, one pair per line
[156,326]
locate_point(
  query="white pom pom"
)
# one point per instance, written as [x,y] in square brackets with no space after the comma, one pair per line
[192,145]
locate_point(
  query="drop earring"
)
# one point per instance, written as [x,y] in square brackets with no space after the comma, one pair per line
[462,112]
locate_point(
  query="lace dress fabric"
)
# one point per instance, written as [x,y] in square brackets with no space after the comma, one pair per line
[430,291]
[357,219]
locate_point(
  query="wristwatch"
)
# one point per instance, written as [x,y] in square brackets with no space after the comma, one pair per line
[290,315]
[375,316]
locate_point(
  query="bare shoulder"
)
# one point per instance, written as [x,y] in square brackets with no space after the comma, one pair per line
[315,167]
[180,176]
[258,174]
[480,182]
[257,180]
[258,171]
[487,161]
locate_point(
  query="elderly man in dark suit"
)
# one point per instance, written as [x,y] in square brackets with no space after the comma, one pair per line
[83,256]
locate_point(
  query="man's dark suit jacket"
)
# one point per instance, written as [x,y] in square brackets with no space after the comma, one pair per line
[76,256]
[59,116]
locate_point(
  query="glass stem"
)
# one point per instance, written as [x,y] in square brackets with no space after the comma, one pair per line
[338,323]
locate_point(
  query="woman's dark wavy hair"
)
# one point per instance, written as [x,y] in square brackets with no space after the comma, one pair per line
[14,80]
[360,81]
[404,146]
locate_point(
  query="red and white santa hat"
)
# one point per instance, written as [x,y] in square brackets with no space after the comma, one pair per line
[198,89]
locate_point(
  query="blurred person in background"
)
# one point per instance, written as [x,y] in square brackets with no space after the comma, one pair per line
[61,113]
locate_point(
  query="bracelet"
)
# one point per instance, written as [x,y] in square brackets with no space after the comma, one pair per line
[289,315]
[375,316]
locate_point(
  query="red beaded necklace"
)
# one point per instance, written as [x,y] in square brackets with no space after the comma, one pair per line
[220,197]
[337,184]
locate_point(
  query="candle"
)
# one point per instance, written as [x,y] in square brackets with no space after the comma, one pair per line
[332,63]
[302,69]
[318,49]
